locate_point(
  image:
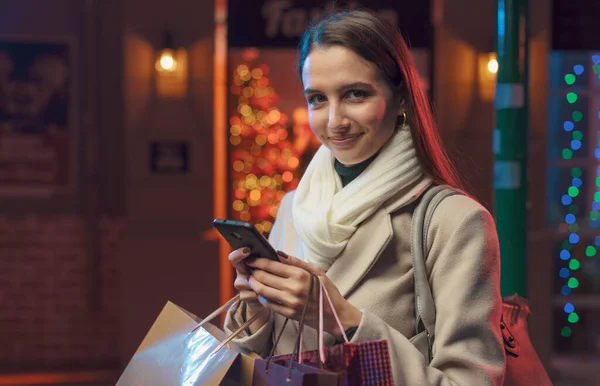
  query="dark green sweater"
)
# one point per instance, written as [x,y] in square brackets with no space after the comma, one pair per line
[349,173]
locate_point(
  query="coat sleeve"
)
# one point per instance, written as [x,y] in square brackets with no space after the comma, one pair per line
[464,273]
[261,341]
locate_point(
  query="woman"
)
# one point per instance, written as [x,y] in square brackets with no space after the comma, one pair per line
[349,219]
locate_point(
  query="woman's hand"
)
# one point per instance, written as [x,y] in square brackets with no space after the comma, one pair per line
[283,287]
[247,294]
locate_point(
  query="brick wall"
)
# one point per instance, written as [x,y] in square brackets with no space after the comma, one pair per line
[46,318]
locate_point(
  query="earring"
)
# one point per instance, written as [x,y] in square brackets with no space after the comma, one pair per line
[401,120]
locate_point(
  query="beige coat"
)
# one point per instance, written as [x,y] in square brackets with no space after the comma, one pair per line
[374,273]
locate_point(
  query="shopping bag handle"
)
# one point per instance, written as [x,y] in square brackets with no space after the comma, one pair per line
[300,328]
[240,329]
[323,291]
[298,344]
[337,318]
[320,330]
[297,354]
[218,312]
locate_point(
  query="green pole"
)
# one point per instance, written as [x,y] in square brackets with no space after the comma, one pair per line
[510,144]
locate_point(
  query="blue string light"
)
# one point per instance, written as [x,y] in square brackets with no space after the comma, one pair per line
[568,125]
[574,238]
[567,200]
[567,274]
[569,308]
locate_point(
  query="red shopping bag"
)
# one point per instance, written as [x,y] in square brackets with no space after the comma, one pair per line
[290,372]
[361,363]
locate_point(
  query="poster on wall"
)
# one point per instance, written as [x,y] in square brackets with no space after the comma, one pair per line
[36,110]
[280,23]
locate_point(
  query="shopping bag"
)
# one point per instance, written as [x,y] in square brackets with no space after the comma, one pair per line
[292,373]
[361,363]
[523,365]
[175,352]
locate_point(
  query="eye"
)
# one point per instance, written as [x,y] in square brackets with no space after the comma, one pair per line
[356,94]
[315,99]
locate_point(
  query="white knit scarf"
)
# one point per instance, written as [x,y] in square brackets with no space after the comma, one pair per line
[326,215]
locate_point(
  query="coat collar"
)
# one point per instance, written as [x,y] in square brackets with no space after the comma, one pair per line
[408,195]
[370,239]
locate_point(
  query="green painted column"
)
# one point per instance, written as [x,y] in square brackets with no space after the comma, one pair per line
[510,144]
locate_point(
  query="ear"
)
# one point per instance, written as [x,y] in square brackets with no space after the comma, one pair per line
[402,107]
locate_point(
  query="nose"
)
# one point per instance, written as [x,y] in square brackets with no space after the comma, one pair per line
[337,121]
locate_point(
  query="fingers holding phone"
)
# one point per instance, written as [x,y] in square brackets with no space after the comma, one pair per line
[246,241]
[236,258]
[247,294]
[242,284]
[243,271]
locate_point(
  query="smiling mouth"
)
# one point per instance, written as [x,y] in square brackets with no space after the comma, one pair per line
[345,140]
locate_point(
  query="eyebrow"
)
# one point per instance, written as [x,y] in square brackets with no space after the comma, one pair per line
[362,85]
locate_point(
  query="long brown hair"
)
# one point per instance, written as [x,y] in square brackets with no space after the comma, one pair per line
[382,44]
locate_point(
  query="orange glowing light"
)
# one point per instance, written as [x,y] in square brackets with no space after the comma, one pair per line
[273,117]
[293,162]
[287,176]
[260,140]
[238,166]
[166,61]
[255,195]
[240,194]
[257,73]
[282,134]
[242,70]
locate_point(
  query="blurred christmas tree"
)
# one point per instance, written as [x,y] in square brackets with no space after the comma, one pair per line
[265,161]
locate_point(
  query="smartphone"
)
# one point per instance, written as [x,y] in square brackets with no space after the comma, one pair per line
[240,234]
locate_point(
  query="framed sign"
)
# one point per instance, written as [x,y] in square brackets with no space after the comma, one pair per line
[169,157]
[37,133]
[280,23]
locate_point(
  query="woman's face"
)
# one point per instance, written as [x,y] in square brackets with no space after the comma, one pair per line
[351,108]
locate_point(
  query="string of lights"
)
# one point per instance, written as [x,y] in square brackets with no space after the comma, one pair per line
[264,163]
[572,200]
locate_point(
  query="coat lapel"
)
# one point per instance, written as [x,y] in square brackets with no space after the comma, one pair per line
[361,252]
[370,240]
